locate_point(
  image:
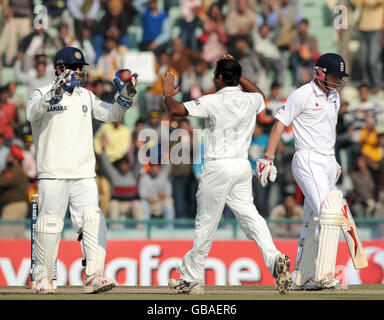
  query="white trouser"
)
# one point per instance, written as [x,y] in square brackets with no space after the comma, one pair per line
[226,181]
[82,197]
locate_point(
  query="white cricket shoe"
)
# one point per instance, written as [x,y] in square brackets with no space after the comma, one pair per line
[330,284]
[44,286]
[282,274]
[96,283]
[182,286]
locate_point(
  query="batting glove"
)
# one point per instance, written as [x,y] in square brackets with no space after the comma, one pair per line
[63,81]
[265,171]
[125,83]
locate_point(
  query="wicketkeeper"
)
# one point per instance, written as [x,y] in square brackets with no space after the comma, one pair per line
[61,119]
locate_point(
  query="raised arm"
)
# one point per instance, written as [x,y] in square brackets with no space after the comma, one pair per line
[175,109]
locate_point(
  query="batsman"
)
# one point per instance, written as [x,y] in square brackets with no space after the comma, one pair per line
[61,120]
[312,109]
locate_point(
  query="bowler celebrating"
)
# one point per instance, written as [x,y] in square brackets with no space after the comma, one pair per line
[61,119]
[230,118]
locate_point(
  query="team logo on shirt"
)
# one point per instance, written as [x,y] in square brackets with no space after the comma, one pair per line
[85,108]
[58,107]
[197,102]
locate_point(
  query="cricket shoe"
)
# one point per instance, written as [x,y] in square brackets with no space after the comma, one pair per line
[310,285]
[330,284]
[182,286]
[96,283]
[282,274]
[44,286]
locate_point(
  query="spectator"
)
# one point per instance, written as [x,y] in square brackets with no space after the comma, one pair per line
[363,109]
[36,42]
[154,94]
[270,56]
[13,195]
[156,26]
[104,188]
[86,46]
[184,184]
[155,191]
[119,139]
[362,195]
[18,15]
[124,188]
[112,60]
[191,11]
[113,24]
[182,58]
[214,37]
[58,14]
[273,103]
[29,162]
[370,25]
[240,21]
[196,81]
[249,61]
[18,100]
[64,38]
[7,116]
[288,210]
[38,75]
[84,13]
[304,52]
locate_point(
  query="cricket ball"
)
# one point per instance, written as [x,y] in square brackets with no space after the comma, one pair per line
[126,76]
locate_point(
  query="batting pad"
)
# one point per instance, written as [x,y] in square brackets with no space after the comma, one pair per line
[331,219]
[306,253]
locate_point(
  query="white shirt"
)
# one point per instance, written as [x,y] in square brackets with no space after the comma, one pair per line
[63,135]
[230,120]
[313,117]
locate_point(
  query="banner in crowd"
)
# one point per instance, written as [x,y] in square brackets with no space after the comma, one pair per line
[151,262]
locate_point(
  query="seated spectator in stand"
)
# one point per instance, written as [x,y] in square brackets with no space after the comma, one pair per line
[119,139]
[58,13]
[65,38]
[156,26]
[362,195]
[213,40]
[190,13]
[8,115]
[19,16]
[304,53]
[13,194]
[272,104]
[84,12]
[19,101]
[36,77]
[288,210]
[38,41]
[86,46]
[240,21]
[112,60]
[363,109]
[155,191]
[29,162]
[196,81]
[124,188]
[272,59]
[182,58]
[154,94]
[113,24]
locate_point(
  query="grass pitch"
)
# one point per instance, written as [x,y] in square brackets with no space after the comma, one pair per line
[220,293]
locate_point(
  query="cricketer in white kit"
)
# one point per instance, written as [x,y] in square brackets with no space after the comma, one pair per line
[230,118]
[312,109]
[61,120]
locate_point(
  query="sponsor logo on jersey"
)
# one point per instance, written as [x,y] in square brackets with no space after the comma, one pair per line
[58,107]
[197,102]
[85,108]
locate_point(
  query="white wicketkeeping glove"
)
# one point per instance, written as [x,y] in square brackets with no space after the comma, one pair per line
[265,171]
[55,95]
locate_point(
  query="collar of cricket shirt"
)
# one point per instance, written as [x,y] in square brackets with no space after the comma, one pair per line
[229,88]
[319,92]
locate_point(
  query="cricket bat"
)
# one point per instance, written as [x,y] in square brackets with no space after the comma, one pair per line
[352,238]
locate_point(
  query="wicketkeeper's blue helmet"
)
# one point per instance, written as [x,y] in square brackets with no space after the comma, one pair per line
[69,56]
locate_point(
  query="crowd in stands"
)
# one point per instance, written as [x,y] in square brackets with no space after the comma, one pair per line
[272,41]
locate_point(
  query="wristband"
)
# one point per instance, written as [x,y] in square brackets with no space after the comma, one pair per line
[269,157]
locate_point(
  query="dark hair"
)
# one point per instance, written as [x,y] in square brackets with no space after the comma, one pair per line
[230,71]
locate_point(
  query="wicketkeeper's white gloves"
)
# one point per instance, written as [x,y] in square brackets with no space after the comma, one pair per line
[125,83]
[62,82]
[265,170]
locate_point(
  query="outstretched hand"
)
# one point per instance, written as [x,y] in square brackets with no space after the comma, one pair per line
[169,84]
